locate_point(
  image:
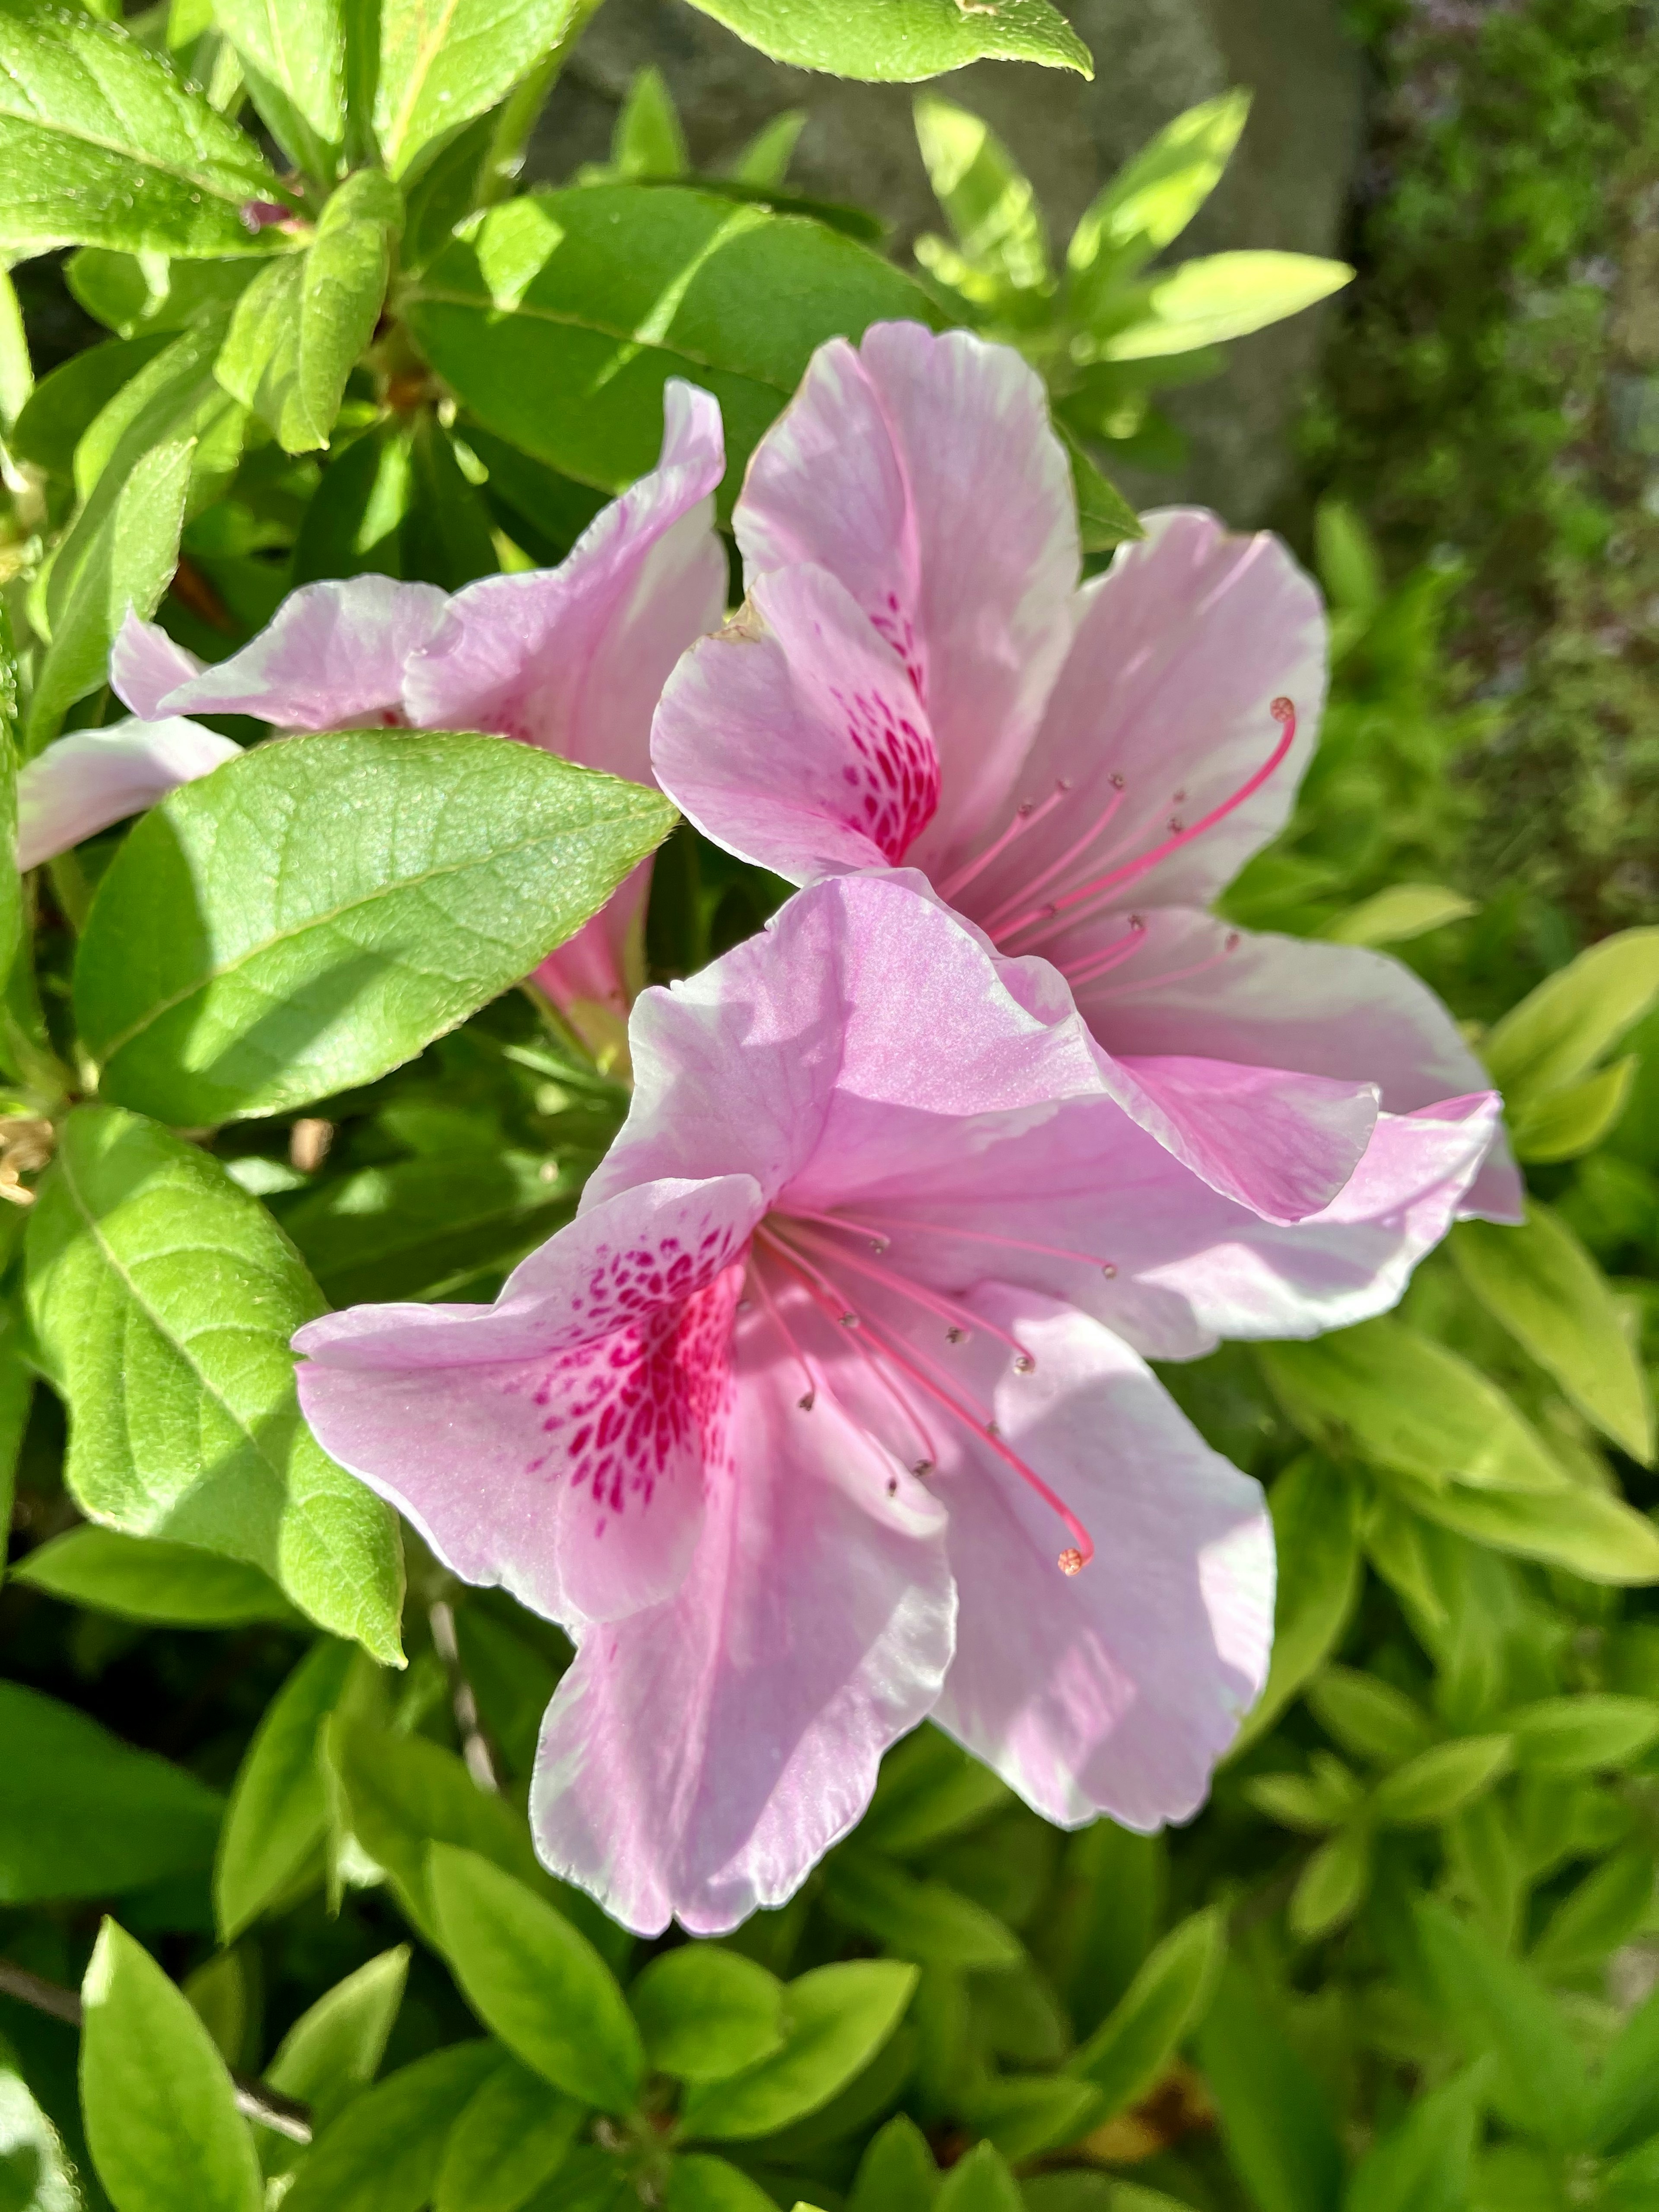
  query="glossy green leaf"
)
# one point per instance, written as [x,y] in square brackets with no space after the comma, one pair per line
[1560,1031]
[16,370]
[160,2111]
[1369,1718]
[139,295]
[1275,2122]
[1399,913]
[1442,1780]
[164,1297]
[703,2184]
[901,40]
[1423,2164]
[611,289]
[172,399]
[1582,1734]
[513,2133]
[1001,247]
[315,912]
[1105,518]
[278,1808]
[101,143]
[63,404]
[119,554]
[1495,2005]
[442,61]
[298,330]
[1563,1123]
[333,2051]
[144,1578]
[1405,1401]
[1162,2006]
[293,56]
[1155,195]
[1316,1540]
[535,1980]
[925,1921]
[83,1814]
[1332,1887]
[1541,1283]
[706,2013]
[839,2017]
[384,2151]
[1222,296]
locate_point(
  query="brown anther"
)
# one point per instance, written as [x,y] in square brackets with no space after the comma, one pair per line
[1282,709]
[1023,1364]
[849,1320]
[308,1141]
[805,1403]
[1232,941]
[892,1486]
[1177,825]
[956,1336]
[1108,1268]
[922,1469]
[1071,1560]
[1115,780]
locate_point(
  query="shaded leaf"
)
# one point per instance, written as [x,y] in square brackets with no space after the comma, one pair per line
[839,2017]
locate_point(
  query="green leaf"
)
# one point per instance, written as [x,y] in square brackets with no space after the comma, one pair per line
[901,41]
[141,1578]
[610,289]
[764,162]
[1484,1858]
[989,201]
[1625,2098]
[535,1981]
[1154,196]
[925,1920]
[1604,1912]
[83,1814]
[1162,2006]
[1424,2163]
[299,328]
[16,370]
[1401,912]
[35,2173]
[163,1298]
[839,2017]
[1368,1717]
[139,295]
[1316,1540]
[293,56]
[1561,1124]
[101,143]
[384,2151]
[120,553]
[278,1810]
[978,2182]
[706,2013]
[648,141]
[896,2172]
[333,2051]
[1586,1532]
[1105,518]
[1543,1286]
[1560,1031]
[1274,2119]
[1223,295]
[64,404]
[160,2111]
[1441,1781]
[1583,1733]
[1495,2005]
[442,61]
[1023,2114]
[702,2183]
[512,2136]
[1332,1887]
[316,912]
[929,1789]
[172,399]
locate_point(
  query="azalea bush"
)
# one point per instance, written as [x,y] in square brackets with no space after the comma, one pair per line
[819,1387]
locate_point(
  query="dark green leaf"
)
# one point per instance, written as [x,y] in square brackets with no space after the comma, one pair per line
[902,40]
[929,1789]
[978,2182]
[925,1920]
[317,911]
[104,145]
[1624,2096]
[1423,2165]
[143,1578]
[896,2172]
[1163,2005]
[1495,2005]
[1332,1887]
[536,1981]
[160,2111]
[1274,2120]
[1605,1911]
[384,2152]
[1441,1781]
[706,2013]
[1105,518]
[1369,1719]
[63,404]
[278,1809]
[513,2134]
[839,2017]
[164,1297]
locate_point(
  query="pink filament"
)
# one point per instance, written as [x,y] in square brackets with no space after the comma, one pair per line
[1041,881]
[1175,975]
[1059,911]
[934,1300]
[1025,817]
[976,1237]
[1098,964]
[786,1333]
[828,1301]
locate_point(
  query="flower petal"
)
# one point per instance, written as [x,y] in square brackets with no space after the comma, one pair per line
[145,664]
[574,658]
[1341,1010]
[794,738]
[1181,649]
[333,654]
[923,471]
[1117,1690]
[83,783]
[470,1419]
[698,1758]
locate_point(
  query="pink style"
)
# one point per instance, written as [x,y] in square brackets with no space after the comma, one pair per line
[918,676]
[572,659]
[829,1410]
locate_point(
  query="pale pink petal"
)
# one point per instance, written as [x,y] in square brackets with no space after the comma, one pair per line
[1194,984]
[574,658]
[92,778]
[923,471]
[520,1438]
[698,1758]
[794,737]
[1183,646]
[331,656]
[601,966]
[1115,1690]
[145,664]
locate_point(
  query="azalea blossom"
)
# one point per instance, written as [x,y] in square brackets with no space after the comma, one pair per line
[918,676]
[828,1413]
[572,659]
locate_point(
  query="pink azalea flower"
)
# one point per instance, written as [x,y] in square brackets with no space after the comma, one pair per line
[828,1413]
[918,677]
[572,659]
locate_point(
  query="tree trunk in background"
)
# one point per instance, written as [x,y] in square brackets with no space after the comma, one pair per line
[1288,186]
